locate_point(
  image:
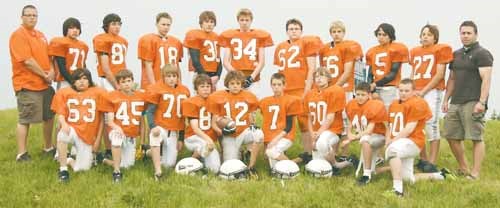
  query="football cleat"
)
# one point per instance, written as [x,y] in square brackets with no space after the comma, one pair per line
[25,157]
[63,176]
[305,157]
[117,177]
[363,180]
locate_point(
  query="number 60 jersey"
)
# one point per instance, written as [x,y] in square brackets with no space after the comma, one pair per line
[81,110]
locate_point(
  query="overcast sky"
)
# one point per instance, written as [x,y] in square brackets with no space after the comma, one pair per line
[360,16]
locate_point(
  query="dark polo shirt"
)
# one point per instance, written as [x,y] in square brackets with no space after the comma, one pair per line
[465,65]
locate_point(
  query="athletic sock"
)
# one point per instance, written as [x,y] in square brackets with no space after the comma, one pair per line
[63,168]
[367,172]
[398,185]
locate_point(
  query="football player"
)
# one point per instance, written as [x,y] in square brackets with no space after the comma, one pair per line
[204,49]
[124,107]
[278,120]
[239,105]
[245,49]
[405,137]
[429,63]
[78,109]
[385,61]
[325,105]
[296,59]
[111,50]
[200,137]
[157,49]
[165,118]
[68,53]
[339,57]
[368,120]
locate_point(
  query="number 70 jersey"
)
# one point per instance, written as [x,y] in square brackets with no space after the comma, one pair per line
[115,47]
[168,99]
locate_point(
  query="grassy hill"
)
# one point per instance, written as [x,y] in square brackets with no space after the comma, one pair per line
[35,184]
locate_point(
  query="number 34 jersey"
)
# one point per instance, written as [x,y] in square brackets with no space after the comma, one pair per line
[127,110]
[81,110]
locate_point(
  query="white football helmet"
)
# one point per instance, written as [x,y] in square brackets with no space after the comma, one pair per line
[285,169]
[319,168]
[188,166]
[233,170]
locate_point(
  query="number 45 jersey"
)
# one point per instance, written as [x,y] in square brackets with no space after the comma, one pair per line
[371,111]
[81,110]
[115,47]
[127,110]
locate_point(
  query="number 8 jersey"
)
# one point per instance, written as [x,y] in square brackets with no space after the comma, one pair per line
[81,110]
[168,99]
[115,47]
[415,109]
[196,108]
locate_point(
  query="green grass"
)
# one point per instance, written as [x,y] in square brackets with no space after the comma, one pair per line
[35,184]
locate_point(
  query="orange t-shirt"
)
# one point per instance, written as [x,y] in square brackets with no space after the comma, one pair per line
[371,111]
[23,45]
[335,56]
[115,47]
[237,106]
[209,48]
[152,47]
[74,51]
[291,59]
[380,59]
[245,47]
[82,110]
[196,108]
[274,112]
[424,62]
[169,105]
[319,103]
[415,109]
[127,110]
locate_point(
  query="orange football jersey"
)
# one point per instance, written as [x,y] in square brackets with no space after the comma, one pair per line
[81,110]
[208,44]
[333,57]
[169,105]
[237,106]
[274,112]
[196,108]
[424,62]
[380,59]
[127,110]
[115,47]
[159,50]
[415,109]
[291,59]
[244,47]
[371,111]
[73,50]
[320,103]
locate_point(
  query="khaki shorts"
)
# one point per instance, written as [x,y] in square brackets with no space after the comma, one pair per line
[461,123]
[34,106]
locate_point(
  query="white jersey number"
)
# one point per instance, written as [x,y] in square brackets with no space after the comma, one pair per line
[418,60]
[249,50]
[74,113]
[122,112]
[291,62]
[171,100]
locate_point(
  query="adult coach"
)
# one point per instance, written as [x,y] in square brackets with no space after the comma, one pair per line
[32,75]
[468,86]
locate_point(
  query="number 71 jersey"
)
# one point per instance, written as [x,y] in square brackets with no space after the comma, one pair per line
[74,51]
[81,110]
[115,47]
[127,110]
[169,105]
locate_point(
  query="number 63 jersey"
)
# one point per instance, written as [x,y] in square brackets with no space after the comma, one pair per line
[115,47]
[127,110]
[415,109]
[81,110]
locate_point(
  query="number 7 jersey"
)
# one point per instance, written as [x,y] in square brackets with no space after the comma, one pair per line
[274,112]
[115,47]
